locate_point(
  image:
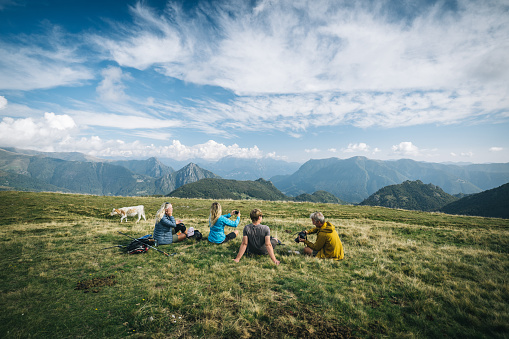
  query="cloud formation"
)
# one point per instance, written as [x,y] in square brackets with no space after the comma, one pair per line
[41,62]
[3,102]
[111,88]
[59,133]
[42,133]
[288,66]
[211,150]
[315,46]
[406,148]
[321,63]
[360,147]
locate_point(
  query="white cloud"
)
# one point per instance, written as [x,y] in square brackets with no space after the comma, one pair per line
[125,122]
[59,122]
[312,150]
[316,63]
[58,133]
[294,114]
[211,150]
[151,40]
[152,134]
[309,46]
[360,147]
[496,149]
[3,102]
[406,148]
[41,133]
[27,66]
[111,88]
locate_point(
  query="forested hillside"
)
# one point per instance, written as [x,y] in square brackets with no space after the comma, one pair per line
[490,203]
[230,189]
[410,195]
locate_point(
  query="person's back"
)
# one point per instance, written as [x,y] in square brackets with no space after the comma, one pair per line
[217,222]
[333,248]
[256,236]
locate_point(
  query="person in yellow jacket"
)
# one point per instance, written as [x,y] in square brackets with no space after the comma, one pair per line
[328,244]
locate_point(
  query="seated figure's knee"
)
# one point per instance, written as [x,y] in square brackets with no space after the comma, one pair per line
[308,251]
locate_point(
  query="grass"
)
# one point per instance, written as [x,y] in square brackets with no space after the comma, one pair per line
[405,274]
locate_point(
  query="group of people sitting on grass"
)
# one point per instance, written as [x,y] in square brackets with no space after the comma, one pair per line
[256,238]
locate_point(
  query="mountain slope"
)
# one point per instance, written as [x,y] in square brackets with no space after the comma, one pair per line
[410,195]
[250,169]
[187,174]
[151,167]
[490,203]
[213,188]
[260,189]
[319,196]
[90,177]
[351,180]
[20,182]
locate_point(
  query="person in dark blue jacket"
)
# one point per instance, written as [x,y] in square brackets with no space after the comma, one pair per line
[166,228]
[217,222]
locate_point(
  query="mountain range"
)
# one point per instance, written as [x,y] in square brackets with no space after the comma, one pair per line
[250,169]
[38,172]
[325,180]
[355,179]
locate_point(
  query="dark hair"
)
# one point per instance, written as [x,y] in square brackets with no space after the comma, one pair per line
[255,214]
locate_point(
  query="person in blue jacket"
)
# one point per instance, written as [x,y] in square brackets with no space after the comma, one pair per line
[217,222]
[166,228]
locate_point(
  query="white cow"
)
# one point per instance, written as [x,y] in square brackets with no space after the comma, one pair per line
[130,212]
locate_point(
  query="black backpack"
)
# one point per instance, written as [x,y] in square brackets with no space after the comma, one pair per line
[139,246]
[197,235]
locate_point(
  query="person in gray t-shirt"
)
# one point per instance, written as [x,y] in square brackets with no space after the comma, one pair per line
[256,238]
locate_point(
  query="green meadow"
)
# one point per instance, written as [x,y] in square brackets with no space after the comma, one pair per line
[406,274]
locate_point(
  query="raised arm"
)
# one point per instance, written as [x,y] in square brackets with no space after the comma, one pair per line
[168,221]
[229,222]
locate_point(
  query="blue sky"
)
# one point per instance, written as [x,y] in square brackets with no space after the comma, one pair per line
[291,80]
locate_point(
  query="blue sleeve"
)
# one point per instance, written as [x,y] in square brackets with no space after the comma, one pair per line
[229,222]
[168,221]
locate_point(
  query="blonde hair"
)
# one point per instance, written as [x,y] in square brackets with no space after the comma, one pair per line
[160,213]
[215,213]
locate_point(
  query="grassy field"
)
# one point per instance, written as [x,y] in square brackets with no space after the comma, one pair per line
[405,274]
